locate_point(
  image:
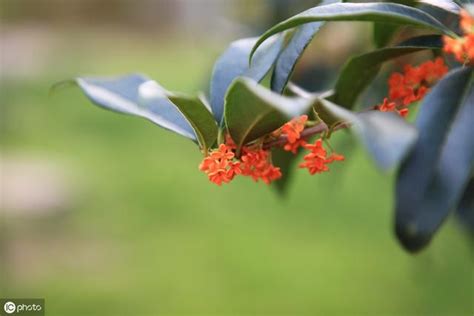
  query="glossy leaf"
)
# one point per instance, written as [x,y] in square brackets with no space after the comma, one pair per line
[374,12]
[465,209]
[192,108]
[446,5]
[253,111]
[291,54]
[123,95]
[383,33]
[234,62]
[197,114]
[285,160]
[359,71]
[444,11]
[293,51]
[386,136]
[447,12]
[431,181]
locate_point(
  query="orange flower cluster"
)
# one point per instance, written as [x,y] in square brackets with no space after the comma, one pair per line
[462,47]
[317,160]
[221,165]
[412,85]
[256,164]
[292,130]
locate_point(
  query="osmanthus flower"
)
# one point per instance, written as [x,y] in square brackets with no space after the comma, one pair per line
[293,147]
[256,164]
[462,47]
[412,85]
[387,106]
[219,165]
[292,130]
[467,22]
[317,160]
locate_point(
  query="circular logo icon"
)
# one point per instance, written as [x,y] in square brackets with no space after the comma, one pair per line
[9,307]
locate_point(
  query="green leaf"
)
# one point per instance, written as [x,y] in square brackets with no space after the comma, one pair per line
[123,95]
[359,71]
[252,111]
[465,211]
[192,108]
[445,5]
[432,179]
[441,10]
[288,58]
[234,62]
[386,136]
[293,51]
[374,12]
[383,33]
[285,160]
[202,121]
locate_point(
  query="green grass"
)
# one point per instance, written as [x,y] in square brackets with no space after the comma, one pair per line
[149,235]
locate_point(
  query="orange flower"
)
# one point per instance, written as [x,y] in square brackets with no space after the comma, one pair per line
[463,47]
[467,22]
[412,85]
[219,167]
[454,46]
[403,112]
[256,164]
[469,46]
[316,161]
[387,106]
[293,147]
[293,128]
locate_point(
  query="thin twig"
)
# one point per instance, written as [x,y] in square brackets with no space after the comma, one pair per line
[308,132]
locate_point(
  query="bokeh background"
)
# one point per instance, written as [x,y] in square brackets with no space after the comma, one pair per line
[103,214]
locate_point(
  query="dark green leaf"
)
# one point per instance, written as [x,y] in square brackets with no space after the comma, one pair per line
[234,62]
[444,11]
[374,12]
[359,71]
[465,209]
[446,5]
[383,33]
[252,111]
[293,51]
[432,179]
[202,121]
[291,54]
[285,160]
[123,95]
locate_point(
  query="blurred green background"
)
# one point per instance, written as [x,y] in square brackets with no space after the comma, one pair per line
[104,214]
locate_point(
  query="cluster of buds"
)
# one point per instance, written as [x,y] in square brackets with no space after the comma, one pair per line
[412,85]
[222,165]
[462,47]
